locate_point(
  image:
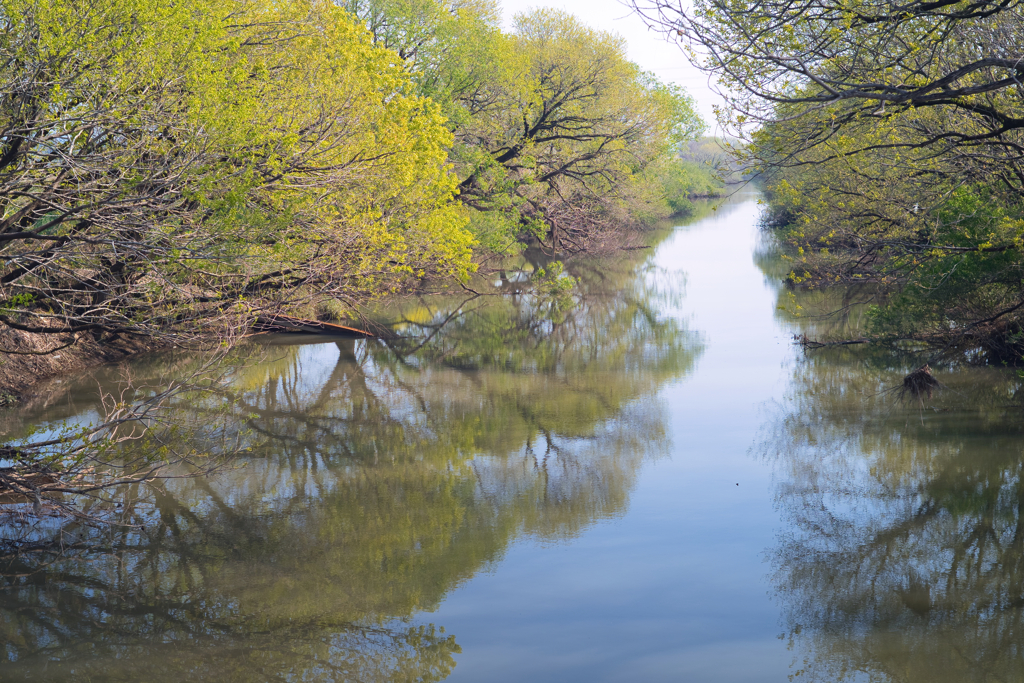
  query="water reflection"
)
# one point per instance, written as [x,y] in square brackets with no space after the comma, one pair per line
[903,555]
[379,481]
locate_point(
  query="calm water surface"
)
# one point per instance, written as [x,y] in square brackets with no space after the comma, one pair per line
[646,483]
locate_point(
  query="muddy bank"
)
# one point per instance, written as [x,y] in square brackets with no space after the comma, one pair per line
[26,359]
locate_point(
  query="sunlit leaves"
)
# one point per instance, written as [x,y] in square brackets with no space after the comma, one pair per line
[212,152]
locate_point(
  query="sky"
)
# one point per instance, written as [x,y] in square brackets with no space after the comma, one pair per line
[647,48]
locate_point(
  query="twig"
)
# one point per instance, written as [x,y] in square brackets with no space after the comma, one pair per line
[803,341]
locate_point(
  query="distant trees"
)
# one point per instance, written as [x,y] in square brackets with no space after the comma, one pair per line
[569,129]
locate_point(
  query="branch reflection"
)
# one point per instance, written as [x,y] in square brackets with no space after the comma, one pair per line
[378,482]
[903,559]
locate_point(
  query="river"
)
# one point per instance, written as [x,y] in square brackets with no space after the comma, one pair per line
[645,480]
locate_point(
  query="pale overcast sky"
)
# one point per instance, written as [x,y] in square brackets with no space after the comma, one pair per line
[646,48]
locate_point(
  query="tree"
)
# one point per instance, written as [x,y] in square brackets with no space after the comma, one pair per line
[568,128]
[890,137]
[552,126]
[176,170]
[868,57]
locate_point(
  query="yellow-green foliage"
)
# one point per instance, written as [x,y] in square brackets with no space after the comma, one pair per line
[866,205]
[552,124]
[356,160]
[679,181]
[204,162]
[237,150]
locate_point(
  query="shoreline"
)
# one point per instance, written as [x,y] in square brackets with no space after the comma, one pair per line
[27,359]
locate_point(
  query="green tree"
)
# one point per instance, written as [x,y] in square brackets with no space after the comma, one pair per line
[553,127]
[836,63]
[172,170]
[568,128]
[941,253]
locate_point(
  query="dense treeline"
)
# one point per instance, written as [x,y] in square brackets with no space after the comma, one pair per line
[890,135]
[178,171]
[181,169]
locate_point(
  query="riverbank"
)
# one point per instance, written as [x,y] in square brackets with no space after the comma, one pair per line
[27,359]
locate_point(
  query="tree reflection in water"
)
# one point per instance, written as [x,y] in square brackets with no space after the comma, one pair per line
[903,559]
[379,482]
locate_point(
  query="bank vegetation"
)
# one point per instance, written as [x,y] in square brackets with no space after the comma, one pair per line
[889,134]
[172,173]
[177,171]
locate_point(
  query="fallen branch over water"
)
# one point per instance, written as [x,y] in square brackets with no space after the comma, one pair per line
[287,323]
[803,341]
